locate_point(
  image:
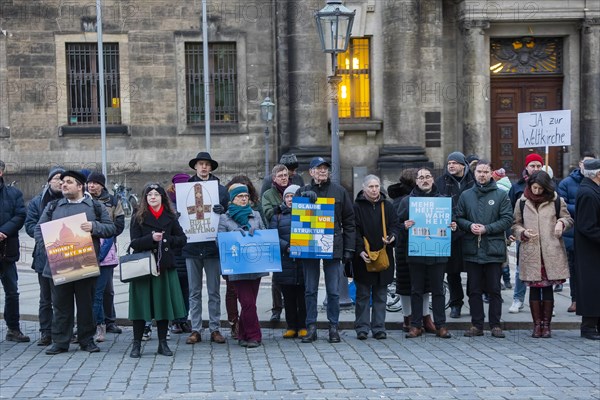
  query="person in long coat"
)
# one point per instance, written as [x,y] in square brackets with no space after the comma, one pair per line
[542,256]
[369,215]
[154,227]
[587,250]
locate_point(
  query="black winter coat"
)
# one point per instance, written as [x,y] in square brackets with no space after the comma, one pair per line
[173,237]
[369,224]
[397,192]
[34,212]
[587,248]
[291,270]
[12,218]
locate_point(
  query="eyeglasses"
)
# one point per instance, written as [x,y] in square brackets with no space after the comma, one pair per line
[422,178]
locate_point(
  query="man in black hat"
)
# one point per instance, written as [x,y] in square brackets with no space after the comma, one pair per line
[343,250]
[104,307]
[291,163]
[99,224]
[35,208]
[203,257]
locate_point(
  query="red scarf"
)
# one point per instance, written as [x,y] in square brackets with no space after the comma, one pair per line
[536,199]
[158,213]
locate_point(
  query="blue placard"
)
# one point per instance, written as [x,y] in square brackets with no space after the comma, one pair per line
[249,254]
[431,235]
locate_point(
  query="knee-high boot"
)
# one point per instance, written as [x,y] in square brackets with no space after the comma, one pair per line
[536,314]
[548,306]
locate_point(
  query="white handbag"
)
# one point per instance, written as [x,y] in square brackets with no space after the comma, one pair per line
[137,265]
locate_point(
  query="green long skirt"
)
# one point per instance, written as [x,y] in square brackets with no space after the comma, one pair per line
[156,297]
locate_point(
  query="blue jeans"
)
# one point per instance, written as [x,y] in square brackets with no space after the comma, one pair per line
[106,275]
[312,273]
[520,288]
[9,278]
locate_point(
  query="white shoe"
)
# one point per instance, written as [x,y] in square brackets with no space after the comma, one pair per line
[100,333]
[517,306]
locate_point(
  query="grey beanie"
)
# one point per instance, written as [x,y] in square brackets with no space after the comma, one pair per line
[458,157]
[54,171]
[291,189]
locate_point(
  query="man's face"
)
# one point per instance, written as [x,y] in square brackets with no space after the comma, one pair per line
[533,166]
[320,173]
[55,183]
[483,173]
[455,168]
[203,169]
[94,188]
[71,189]
[582,161]
[424,180]
[281,178]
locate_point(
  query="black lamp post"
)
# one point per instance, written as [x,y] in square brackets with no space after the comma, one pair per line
[267,108]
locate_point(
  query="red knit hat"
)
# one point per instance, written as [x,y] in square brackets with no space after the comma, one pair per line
[533,157]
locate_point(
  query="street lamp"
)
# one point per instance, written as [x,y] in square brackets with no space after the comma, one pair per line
[267,108]
[334,24]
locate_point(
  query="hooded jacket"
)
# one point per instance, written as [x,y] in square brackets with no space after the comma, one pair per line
[12,218]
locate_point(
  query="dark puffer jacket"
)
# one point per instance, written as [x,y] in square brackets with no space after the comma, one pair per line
[12,218]
[397,192]
[291,270]
[567,189]
[34,212]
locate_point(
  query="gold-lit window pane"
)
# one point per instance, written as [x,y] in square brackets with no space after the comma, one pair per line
[354,91]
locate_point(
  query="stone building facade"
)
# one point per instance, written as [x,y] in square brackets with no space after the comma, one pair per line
[419,82]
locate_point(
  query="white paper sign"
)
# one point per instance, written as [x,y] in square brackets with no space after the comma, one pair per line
[195,201]
[545,129]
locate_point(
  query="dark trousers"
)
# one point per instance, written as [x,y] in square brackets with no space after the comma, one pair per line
[84,291]
[45,313]
[9,278]
[484,278]
[108,302]
[249,326]
[231,301]
[276,293]
[185,291]
[456,290]
[295,306]
[418,274]
[572,275]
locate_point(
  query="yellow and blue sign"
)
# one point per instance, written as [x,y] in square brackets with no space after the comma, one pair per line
[313,226]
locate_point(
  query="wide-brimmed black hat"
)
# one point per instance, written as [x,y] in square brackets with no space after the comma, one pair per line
[203,155]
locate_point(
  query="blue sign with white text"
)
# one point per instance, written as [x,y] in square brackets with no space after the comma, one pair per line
[249,254]
[431,235]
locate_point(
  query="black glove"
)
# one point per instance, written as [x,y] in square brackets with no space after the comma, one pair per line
[312,196]
[251,231]
[218,209]
[348,256]
[242,231]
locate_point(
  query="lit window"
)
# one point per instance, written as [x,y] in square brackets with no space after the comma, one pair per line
[354,91]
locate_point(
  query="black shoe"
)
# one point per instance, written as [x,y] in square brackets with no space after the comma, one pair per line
[311,334]
[334,335]
[380,335]
[15,335]
[276,316]
[185,327]
[45,340]
[455,311]
[558,287]
[362,335]
[591,335]
[113,328]
[163,348]
[136,349]
[90,347]
[56,349]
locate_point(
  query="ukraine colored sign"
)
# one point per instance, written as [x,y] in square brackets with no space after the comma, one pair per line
[430,236]
[312,228]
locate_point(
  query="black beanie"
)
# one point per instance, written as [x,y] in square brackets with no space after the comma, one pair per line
[98,178]
[54,171]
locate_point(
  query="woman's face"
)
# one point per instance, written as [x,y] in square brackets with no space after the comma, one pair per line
[537,189]
[371,189]
[241,199]
[154,199]
[288,199]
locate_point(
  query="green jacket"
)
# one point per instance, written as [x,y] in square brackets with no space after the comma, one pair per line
[271,199]
[490,206]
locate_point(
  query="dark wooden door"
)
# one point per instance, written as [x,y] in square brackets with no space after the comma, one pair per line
[509,97]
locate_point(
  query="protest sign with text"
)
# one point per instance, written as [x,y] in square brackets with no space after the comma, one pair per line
[244,254]
[430,236]
[313,226]
[195,201]
[545,129]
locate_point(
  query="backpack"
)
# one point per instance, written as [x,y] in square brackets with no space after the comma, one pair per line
[96,203]
[556,206]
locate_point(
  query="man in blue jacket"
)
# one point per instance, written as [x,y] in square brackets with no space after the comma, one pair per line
[12,218]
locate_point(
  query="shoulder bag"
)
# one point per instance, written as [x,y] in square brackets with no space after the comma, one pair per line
[137,265]
[379,258]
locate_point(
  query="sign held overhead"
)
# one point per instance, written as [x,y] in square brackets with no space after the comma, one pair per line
[545,129]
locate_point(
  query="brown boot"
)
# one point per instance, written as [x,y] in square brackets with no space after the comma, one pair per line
[547,307]
[406,325]
[572,307]
[428,324]
[536,314]
[414,332]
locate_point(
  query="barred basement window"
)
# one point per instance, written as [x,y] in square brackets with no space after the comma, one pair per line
[83,83]
[354,92]
[223,83]
[433,129]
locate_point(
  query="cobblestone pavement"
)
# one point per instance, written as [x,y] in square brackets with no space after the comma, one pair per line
[518,367]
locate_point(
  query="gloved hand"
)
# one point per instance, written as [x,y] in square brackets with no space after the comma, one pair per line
[312,196]
[348,256]
[218,209]
[242,231]
[251,231]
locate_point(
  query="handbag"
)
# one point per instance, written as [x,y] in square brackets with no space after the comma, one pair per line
[379,258]
[137,265]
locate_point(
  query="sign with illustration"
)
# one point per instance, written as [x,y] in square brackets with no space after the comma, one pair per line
[313,227]
[244,254]
[545,129]
[70,250]
[195,201]
[430,236]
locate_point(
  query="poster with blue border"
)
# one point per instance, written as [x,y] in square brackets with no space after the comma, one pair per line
[431,235]
[313,226]
[249,254]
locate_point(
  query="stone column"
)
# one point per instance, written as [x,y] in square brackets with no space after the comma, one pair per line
[590,85]
[474,90]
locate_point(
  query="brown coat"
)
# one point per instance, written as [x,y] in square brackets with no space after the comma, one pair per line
[547,246]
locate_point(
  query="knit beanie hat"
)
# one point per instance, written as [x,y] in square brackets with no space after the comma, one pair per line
[533,157]
[98,178]
[291,189]
[289,160]
[458,157]
[235,189]
[54,171]
[180,178]
[499,174]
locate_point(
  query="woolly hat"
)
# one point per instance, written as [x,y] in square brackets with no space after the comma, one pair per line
[180,178]
[533,157]
[591,165]
[290,189]
[78,176]
[289,160]
[98,178]
[54,171]
[155,186]
[236,189]
[498,174]
[458,157]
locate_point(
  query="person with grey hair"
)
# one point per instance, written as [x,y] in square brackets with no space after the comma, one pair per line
[291,163]
[12,218]
[376,225]
[587,250]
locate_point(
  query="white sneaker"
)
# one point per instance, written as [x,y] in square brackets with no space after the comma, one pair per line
[517,306]
[100,333]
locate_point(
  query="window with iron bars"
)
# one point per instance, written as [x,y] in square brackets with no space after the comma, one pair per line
[83,83]
[354,91]
[222,66]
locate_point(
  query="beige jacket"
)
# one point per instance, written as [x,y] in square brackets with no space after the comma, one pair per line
[547,246]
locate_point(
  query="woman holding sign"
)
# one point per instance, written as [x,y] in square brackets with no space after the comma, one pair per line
[154,227]
[240,217]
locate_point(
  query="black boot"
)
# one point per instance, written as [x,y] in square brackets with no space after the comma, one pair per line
[311,334]
[163,348]
[334,335]
[589,328]
[136,349]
